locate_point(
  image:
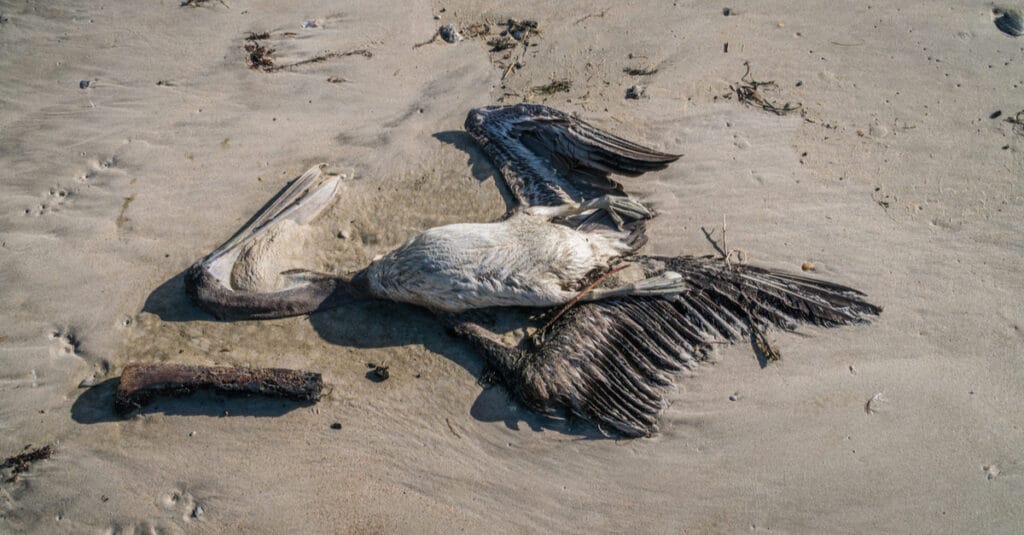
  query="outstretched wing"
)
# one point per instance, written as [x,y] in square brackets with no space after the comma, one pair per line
[549,158]
[611,361]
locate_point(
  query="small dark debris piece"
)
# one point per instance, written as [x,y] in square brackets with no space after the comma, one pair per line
[995,114]
[1009,21]
[498,44]
[84,84]
[253,36]
[636,92]
[725,48]
[726,11]
[141,383]
[380,372]
[336,426]
[1017,121]
[640,71]
[749,91]
[556,86]
[449,33]
[21,462]
[260,56]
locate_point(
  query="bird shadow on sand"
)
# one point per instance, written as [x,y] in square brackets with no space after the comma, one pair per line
[479,164]
[378,324]
[360,324]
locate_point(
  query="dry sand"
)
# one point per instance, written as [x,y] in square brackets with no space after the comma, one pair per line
[894,180]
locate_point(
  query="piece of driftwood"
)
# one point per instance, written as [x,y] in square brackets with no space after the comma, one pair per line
[140,383]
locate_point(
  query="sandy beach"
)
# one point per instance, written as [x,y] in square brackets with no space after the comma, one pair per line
[135,137]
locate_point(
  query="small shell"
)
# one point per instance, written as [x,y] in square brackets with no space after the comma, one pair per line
[1009,21]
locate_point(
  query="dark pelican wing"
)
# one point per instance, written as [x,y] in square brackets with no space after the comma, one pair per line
[611,361]
[549,158]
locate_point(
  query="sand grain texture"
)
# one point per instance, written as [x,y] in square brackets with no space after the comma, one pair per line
[895,180]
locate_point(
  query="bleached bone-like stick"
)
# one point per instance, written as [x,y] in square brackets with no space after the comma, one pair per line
[140,383]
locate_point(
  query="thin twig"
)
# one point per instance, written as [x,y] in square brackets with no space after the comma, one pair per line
[538,336]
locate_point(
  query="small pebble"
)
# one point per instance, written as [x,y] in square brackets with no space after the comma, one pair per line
[84,84]
[807,266]
[734,397]
[449,34]
[336,425]
[995,114]
[198,511]
[726,11]
[191,433]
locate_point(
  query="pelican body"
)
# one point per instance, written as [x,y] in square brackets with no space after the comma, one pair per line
[604,359]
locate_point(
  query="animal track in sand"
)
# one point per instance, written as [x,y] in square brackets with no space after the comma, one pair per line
[55,199]
[64,342]
[181,501]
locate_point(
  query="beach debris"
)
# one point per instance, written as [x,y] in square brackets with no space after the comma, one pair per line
[874,404]
[762,348]
[1009,21]
[198,511]
[807,266]
[449,34]
[141,383]
[555,86]
[502,42]
[336,426]
[641,70]
[1017,121]
[636,92]
[991,471]
[84,84]
[197,3]
[735,396]
[315,23]
[726,11]
[452,428]
[520,30]
[23,461]
[378,372]
[259,55]
[750,91]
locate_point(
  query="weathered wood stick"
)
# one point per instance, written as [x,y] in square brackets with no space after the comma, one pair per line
[140,383]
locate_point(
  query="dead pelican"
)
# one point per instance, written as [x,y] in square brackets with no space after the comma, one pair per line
[605,359]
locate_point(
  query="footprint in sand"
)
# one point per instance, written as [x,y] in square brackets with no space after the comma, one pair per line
[181,502]
[55,199]
[64,343]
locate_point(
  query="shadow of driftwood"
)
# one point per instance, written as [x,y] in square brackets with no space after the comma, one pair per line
[96,405]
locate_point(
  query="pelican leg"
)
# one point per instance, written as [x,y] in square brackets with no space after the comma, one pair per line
[666,283]
[616,206]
